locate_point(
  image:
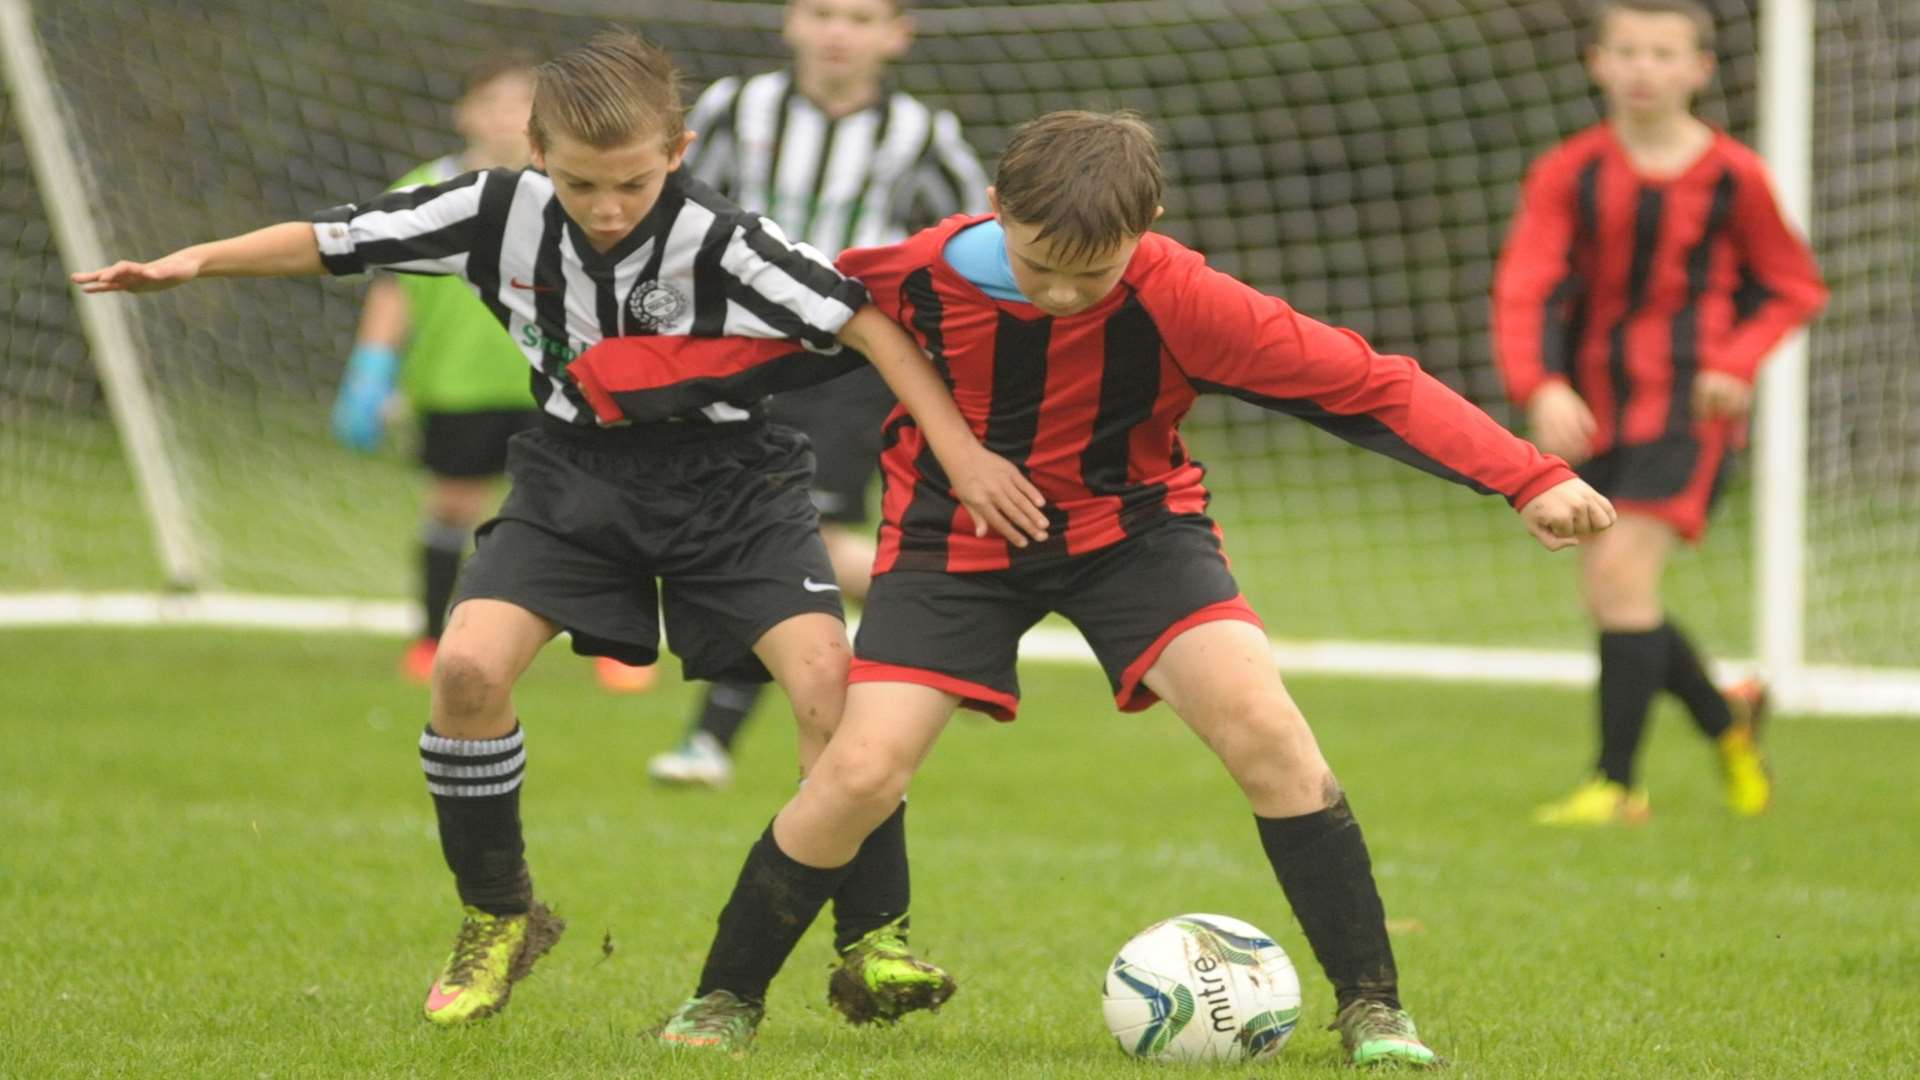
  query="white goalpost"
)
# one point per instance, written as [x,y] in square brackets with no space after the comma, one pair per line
[169,464]
[108,332]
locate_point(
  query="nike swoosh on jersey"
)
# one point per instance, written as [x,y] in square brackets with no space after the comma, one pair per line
[518,284]
[818,586]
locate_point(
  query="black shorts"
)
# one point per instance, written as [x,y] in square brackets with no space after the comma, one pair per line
[1678,479]
[723,521]
[842,419]
[466,445]
[961,632]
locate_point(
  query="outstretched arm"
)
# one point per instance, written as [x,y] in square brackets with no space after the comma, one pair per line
[1229,338]
[988,485]
[282,250]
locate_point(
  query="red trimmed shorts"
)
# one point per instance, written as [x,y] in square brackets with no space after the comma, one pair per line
[1677,479]
[960,632]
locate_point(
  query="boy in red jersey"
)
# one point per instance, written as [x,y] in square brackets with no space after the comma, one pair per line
[1075,340]
[1647,275]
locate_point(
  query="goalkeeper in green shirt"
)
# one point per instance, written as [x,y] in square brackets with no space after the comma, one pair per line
[433,339]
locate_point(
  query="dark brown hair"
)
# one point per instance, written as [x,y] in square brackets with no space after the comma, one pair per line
[1089,180]
[612,90]
[1694,10]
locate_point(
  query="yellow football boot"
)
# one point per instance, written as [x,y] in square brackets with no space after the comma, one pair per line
[491,954]
[1599,801]
[1743,765]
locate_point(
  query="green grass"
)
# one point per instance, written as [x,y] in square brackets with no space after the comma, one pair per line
[218,860]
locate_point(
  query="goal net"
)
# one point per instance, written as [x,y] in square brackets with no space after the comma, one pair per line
[1359,158]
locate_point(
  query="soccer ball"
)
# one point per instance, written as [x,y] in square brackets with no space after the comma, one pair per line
[1201,988]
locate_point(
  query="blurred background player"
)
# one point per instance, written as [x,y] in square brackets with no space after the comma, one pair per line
[1647,274]
[837,158]
[462,374]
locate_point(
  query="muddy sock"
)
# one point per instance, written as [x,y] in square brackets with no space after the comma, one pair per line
[476,795]
[773,903]
[1633,667]
[876,889]
[1322,864]
[1688,679]
[724,710]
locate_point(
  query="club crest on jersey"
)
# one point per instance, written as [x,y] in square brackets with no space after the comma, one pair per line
[654,304]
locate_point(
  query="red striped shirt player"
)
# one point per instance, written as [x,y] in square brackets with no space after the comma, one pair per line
[1646,276]
[1075,340]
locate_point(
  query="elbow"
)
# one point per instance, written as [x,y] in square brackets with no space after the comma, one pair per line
[1816,300]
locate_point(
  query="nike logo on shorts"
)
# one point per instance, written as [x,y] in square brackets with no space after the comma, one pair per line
[518,284]
[818,586]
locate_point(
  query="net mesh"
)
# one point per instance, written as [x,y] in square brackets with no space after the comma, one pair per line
[1360,159]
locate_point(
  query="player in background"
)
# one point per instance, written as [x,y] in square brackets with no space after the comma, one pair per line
[1076,340]
[1646,276]
[463,376]
[652,482]
[839,160]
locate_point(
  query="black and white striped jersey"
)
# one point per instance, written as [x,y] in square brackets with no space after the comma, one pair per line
[871,177]
[697,265]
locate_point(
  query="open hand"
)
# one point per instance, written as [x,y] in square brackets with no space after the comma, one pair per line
[1558,516]
[1561,422]
[998,496]
[129,276]
[1720,396]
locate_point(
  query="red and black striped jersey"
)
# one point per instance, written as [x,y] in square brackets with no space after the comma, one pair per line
[1625,285]
[1089,406]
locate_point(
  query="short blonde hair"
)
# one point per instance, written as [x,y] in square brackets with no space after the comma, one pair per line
[1089,180]
[614,89]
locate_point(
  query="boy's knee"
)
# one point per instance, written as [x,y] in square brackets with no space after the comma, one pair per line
[816,682]
[1619,605]
[465,682]
[1265,742]
[870,781]
[1258,716]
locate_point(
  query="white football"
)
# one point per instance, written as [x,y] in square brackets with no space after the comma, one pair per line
[1201,988]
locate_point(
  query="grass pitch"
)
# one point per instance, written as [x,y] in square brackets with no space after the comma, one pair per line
[218,860]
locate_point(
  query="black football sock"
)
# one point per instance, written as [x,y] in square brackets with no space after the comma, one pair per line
[476,794]
[1322,864]
[725,709]
[1688,679]
[876,889]
[441,547]
[773,903]
[1633,667]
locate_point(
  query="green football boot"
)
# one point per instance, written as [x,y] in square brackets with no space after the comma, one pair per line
[877,979]
[491,954]
[1378,1035]
[718,1021]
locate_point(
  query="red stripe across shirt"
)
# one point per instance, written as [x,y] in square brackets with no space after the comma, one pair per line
[1625,286]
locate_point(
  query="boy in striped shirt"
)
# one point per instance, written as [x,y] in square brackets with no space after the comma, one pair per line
[653,480]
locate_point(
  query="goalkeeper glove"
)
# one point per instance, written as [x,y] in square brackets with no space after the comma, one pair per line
[358,421]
